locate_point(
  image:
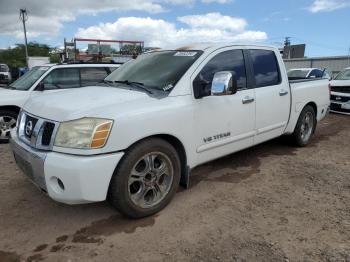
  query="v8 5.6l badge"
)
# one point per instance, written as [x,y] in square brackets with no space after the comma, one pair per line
[216,137]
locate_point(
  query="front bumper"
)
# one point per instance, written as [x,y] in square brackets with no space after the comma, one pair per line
[4,79]
[69,179]
[340,103]
[340,107]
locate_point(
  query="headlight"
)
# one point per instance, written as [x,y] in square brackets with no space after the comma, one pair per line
[83,133]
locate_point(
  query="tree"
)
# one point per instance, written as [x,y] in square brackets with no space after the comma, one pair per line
[15,57]
[129,49]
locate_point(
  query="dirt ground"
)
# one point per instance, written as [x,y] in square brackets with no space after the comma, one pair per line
[272,202]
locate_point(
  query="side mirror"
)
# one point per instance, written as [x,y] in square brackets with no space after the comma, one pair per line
[224,83]
[40,87]
[312,77]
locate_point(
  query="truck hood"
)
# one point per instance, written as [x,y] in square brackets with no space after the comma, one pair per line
[10,97]
[96,101]
[340,83]
[6,92]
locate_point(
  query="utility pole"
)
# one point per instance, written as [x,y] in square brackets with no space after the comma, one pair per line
[287,41]
[24,17]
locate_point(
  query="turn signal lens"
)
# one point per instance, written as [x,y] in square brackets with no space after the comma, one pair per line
[101,135]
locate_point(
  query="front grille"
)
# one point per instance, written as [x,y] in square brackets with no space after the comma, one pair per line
[340,99]
[37,132]
[340,89]
[338,108]
[47,133]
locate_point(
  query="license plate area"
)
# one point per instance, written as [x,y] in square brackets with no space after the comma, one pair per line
[346,106]
[30,163]
[25,166]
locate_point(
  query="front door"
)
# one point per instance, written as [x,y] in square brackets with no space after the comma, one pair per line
[224,124]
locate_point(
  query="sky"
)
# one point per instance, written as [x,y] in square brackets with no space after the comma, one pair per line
[323,25]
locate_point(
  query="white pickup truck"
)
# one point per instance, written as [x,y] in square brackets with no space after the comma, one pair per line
[162,114]
[42,80]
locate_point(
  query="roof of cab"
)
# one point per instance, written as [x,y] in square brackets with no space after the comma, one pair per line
[303,68]
[82,64]
[206,46]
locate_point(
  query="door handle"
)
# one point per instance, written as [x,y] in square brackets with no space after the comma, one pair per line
[247,100]
[283,92]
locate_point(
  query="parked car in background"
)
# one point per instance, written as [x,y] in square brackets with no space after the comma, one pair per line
[5,74]
[160,115]
[308,73]
[46,79]
[34,61]
[340,92]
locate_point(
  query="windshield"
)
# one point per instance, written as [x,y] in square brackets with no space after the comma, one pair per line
[344,75]
[29,78]
[4,68]
[158,70]
[298,74]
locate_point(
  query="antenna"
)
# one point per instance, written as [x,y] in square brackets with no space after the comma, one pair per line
[23,16]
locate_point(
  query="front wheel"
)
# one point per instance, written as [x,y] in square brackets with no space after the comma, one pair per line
[146,179]
[8,120]
[305,126]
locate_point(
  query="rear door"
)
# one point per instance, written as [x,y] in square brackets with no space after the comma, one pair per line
[272,95]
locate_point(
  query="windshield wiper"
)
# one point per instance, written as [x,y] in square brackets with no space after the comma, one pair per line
[107,82]
[134,84]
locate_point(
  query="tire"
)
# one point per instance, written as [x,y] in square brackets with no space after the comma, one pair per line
[8,121]
[146,178]
[305,126]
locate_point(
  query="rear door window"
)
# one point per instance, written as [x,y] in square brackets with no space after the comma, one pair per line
[62,78]
[92,75]
[265,66]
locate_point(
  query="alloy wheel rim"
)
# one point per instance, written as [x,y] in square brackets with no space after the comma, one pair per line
[150,179]
[307,127]
[7,124]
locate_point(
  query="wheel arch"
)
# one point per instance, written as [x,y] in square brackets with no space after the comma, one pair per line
[295,114]
[314,106]
[12,108]
[180,149]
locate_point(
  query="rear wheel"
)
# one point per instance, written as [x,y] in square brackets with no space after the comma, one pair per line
[8,121]
[146,179]
[305,126]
